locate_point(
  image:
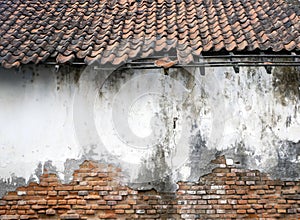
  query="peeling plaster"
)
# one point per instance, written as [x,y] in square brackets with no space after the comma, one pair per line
[158,128]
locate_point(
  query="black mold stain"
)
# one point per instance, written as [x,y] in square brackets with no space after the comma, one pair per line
[286,83]
[156,170]
[200,157]
[288,165]
[240,154]
[66,73]
[115,80]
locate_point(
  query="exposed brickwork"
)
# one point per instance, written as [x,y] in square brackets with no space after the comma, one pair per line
[96,193]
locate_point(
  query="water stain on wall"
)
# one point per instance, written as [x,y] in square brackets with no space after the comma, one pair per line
[286,82]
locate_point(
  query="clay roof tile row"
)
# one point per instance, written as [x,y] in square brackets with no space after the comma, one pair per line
[121,30]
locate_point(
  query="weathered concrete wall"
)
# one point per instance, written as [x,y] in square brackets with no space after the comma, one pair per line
[158,126]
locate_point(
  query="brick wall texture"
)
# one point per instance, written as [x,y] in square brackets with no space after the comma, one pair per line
[96,192]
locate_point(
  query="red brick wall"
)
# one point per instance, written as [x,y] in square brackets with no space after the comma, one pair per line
[96,193]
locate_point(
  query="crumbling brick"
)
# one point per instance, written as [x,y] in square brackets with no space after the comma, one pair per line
[96,193]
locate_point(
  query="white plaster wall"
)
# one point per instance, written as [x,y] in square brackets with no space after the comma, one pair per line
[128,119]
[36,122]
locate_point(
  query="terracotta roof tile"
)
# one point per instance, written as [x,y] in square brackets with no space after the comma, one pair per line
[114,32]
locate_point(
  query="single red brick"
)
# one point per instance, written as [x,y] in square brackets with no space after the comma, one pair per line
[64,188]
[62,207]
[10,217]
[29,217]
[86,187]
[122,206]
[242,202]
[50,212]
[63,193]
[42,202]
[80,202]
[131,201]
[281,210]
[249,196]
[111,203]
[241,211]
[119,211]
[230,192]
[110,197]
[52,193]
[282,206]
[255,187]
[212,201]
[151,211]
[231,174]
[24,207]
[70,216]
[142,207]
[90,212]
[270,191]
[72,201]
[102,188]
[101,202]
[30,212]
[21,212]
[222,207]
[230,216]
[38,207]
[281,201]
[268,206]
[181,207]
[274,182]
[82,207]
[11,212]
[292,211]
[103,207]
[190,197]
[292,201]
[184,187]
[262,201]
[240,183]
[240,191]
[230,182]
[257,206]
[62,202]
[252,201]
[288,183]
[271,211]
[74,196]
[123,193]
[221,170]
[11,197]
[242,206]
[43,183]
[107,215]
[52,202]
[92,197]
[53,184]
[260,192]
[41,211]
